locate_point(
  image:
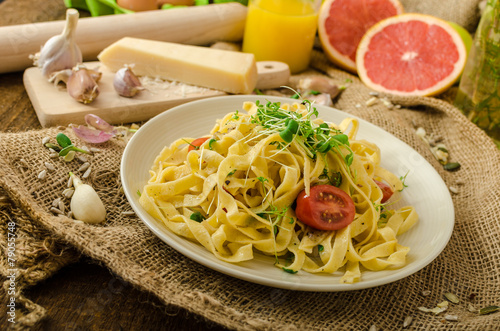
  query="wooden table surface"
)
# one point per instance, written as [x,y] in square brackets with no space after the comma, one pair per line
[83,295]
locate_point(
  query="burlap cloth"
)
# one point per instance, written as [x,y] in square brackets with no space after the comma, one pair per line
[469,266]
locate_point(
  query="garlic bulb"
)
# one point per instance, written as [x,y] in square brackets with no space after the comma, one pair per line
[82,86]
[85,204]
[60,52]
[126,82]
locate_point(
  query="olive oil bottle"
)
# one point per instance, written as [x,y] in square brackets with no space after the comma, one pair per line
[478,95]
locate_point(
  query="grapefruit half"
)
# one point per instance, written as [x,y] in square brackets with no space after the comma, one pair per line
[342,24]
[411,54]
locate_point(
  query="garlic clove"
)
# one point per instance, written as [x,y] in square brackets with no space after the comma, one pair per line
[81,86]
[126,82]
[60,52]
[85,204]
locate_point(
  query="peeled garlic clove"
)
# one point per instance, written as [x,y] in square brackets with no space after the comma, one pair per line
[85,204]
[81,86]
[126,83]
[60,52]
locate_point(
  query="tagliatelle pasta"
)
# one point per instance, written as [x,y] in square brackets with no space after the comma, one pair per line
[235,193]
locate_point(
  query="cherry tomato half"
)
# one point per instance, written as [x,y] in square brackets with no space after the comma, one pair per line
[195,144]
[386,190]
[326,208]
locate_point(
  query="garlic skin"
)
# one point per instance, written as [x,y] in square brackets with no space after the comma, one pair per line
[81,86]
[86,205]
[126,82]
[60,52]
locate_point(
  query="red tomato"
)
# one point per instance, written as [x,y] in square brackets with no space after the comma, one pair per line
[326,208]
[386,190]
[196,143]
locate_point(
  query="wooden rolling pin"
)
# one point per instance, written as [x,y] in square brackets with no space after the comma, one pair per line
[197,25]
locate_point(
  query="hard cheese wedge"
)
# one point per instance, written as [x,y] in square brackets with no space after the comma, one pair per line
[228,71]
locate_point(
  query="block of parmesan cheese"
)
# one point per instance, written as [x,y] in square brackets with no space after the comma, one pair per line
[229,71]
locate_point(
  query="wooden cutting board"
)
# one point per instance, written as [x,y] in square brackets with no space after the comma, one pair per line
[54,106]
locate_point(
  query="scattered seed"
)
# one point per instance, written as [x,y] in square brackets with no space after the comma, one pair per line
[87,172]
[69,157]
[24,163]
[62,207]
[53,146]
[371,101]
[50,166]
[82,158]
[451,317]
[84,167]
[387,103]
[472,308]
[488,310]
[94,150]
[134,126]
[421,132]
[407,321]
[373,328]
[453,189]
[128,213]
[375,94]
[68,193]
[45,140]
[358,105]
[42,174]
[61,128]
[426,293]
[397,106]
[85,148]
[55,203]
[70,181]
[442,304]
[452,166]
[56,211]
[69,214]
[54,155]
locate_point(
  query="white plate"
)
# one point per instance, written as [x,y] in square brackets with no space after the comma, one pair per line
[426,191]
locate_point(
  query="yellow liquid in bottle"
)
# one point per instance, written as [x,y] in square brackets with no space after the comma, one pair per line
[281,30]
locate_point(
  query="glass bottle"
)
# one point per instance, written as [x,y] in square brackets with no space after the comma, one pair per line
[478,95]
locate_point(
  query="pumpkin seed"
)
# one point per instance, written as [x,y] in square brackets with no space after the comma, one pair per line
[94,150]
[45,140]
[53,146]
[451,297]
[128,213]
[24,163]
[426,293]
[488,310]
[451,317]
[451,166]
[70,181]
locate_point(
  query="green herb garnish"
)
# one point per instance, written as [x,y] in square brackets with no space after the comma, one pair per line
[292,126]
[197,217]
[67,145]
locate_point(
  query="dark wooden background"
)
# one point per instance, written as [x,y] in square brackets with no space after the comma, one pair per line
[83,295]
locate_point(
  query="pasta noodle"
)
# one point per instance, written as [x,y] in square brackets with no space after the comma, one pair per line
[235,193]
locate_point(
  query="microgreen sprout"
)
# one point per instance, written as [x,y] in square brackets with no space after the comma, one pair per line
[292,126]
[403,179]
[197,217]
[210,143]
[67,145]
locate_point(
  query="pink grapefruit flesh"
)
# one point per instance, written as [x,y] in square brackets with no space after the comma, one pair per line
[342,24]
[411,54]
